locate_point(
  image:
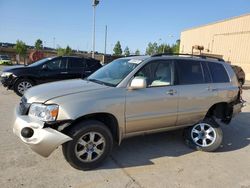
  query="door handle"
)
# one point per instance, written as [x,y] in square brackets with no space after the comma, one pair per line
[171,92]
[88,71]
[211,89]
[64,72]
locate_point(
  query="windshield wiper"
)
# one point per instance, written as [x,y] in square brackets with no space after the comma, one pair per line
[100,82]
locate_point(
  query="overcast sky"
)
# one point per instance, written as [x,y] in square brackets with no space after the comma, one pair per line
[133,22]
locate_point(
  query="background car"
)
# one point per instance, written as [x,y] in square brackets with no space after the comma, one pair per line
[5,60]
[240,74]
[20,78]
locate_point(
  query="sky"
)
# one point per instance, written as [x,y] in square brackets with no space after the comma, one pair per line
[134,23]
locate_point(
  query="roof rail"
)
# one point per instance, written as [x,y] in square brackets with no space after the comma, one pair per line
[191,55]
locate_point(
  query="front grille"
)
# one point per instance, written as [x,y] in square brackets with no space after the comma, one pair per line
[24,106]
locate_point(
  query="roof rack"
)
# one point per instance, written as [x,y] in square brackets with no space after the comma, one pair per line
[191,55]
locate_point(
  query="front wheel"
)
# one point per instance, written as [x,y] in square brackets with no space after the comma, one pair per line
[204,136]
[22,85]
[92,143]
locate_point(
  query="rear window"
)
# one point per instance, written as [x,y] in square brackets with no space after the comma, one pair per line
[189,72]
[218,73]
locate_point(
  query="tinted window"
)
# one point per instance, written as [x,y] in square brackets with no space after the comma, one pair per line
[157,74]
[189,72]
[206,72]
[218,72]
[57,64]
[92,62]
[76,63]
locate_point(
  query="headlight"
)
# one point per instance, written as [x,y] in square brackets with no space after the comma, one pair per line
[43,112]
[6,74]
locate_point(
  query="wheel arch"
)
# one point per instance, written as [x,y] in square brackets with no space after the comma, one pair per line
[108,119]
[222,111]
[25,77]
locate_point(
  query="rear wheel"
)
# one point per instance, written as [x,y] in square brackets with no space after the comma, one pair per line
[92,143]
[204,136]
[22,85]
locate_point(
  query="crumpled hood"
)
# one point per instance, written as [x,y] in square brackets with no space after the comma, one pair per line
[45,92]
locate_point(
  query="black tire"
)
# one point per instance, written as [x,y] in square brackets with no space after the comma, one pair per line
[18,82]
[190,136]
[78,131]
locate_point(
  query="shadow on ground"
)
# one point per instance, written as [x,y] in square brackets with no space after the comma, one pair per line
[141,150]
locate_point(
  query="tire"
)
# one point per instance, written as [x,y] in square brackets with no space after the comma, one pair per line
[22,85]
[82,152]
[208,138]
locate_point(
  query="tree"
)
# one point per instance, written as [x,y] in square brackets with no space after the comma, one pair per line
[176,46]
[137,52]
[68,51]
[152,48]
[117,49]
[164,48]
[62,51]
[38,44]
[126,51]
[21,49]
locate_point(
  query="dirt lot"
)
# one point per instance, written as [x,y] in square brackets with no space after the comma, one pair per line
[159,160]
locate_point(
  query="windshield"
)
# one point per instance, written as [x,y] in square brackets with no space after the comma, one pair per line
[113,73]
[40,62]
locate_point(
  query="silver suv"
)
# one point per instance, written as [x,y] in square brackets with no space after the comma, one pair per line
[128,97]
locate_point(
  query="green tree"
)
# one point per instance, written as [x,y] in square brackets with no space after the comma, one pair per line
[176,46]
[68,51]
[164,48]
[137,52]
[38,44]
[152,48]
[21,49]
[62,51]
[118,49]
[126,51]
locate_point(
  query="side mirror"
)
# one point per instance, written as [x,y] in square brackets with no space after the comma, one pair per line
[45,67]
[138,83]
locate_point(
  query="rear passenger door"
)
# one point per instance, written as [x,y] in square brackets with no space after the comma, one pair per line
[76,67]
[221,83]
[194,85]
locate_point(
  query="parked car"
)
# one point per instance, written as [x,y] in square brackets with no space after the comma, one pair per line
[240,74]
[20,78]
[5,60]
[128,97]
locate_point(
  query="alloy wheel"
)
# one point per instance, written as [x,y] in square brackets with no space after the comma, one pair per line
[23,86]
[90,147]
[203,134]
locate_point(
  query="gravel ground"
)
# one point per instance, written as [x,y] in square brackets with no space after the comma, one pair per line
[159,160]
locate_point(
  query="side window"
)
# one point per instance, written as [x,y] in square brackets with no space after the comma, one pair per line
[218,73]
[189,72]
[157,73]
[75,63]
[57,64]
[206,72]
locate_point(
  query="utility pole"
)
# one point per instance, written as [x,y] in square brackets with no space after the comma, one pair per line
[95,3]
[106,35]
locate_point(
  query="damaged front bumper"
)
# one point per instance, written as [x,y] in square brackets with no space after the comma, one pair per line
[41,140]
